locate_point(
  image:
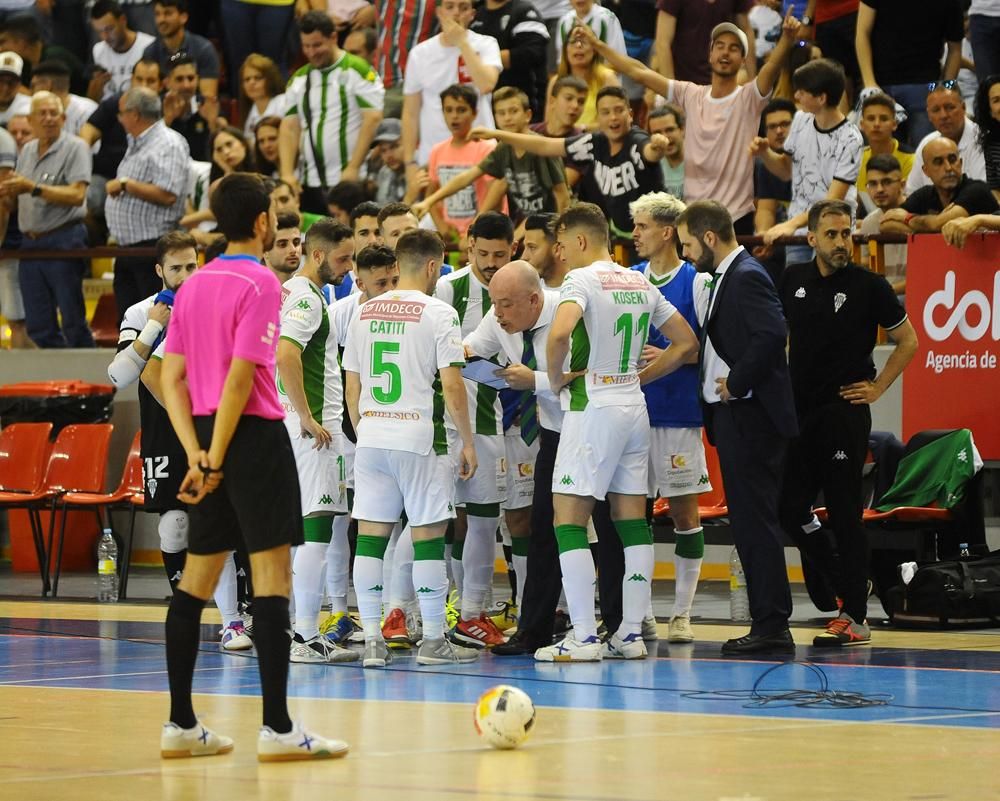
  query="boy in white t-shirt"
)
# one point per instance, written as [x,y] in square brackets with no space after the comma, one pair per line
[821,155]
[456,55]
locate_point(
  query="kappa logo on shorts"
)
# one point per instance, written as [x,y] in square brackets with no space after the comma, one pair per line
[326,499]
[424,590]
[376,588]
[451,508]
[567,481]
[703,480]
[637,577]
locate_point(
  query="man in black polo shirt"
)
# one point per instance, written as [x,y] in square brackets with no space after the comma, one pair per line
[623,160]
[951,195]
[834,309]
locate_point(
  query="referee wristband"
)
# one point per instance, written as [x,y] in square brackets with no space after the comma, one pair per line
[150,333]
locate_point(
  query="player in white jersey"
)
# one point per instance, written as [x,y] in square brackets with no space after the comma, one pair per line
[491,239]
[603,319]
[140,353]
[376,273]
[402,361]
[310,389]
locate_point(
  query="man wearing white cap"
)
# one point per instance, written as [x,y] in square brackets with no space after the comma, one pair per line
[12,102]
[722,119]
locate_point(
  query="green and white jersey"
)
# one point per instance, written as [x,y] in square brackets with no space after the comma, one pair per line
[330,102]
[305,321]
[470,298]
[397,343]
[618,306]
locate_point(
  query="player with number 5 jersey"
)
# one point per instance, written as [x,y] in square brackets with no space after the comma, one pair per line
[402,365]
[603,318]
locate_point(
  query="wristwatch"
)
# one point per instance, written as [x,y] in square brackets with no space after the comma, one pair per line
[806,20]
[36,190]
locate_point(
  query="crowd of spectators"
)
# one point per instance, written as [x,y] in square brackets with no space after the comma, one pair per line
[119,116]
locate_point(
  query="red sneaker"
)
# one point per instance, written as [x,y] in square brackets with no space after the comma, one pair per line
[480,632]
[394,628]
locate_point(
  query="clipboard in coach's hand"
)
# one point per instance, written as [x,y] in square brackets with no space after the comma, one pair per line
[483,371]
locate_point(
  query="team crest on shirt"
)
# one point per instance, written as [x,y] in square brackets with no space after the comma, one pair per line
[838,301]
[800,292]
[151,486]
[525,469]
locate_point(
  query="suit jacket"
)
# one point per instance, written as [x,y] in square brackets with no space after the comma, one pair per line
[748,331]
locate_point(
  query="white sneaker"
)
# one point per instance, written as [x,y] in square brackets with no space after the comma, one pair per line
[680,629]
[377,654]
[176,742]
[570,650]
[235,637]
[445,652]
[632,647]
[319,650]
[650,631]
[297,744]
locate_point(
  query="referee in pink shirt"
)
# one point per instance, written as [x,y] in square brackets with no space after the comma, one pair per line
[218,384]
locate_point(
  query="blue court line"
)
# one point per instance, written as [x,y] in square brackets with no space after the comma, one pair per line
[921,696]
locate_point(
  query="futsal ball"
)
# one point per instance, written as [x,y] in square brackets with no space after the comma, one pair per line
[504,715]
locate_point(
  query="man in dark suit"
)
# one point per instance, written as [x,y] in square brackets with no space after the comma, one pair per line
[746,396]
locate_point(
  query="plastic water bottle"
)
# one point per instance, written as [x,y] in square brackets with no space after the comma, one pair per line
[739,603]
[963,551]
[107,567]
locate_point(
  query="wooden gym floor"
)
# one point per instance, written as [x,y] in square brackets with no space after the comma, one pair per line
[83,694]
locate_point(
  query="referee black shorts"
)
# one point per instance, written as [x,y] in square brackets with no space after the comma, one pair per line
[258,500]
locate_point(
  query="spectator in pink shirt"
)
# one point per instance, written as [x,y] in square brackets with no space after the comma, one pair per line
[220,393]
[721,119]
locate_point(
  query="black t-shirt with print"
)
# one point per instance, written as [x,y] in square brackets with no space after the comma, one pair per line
[530,179]
[833,324]
[614,181]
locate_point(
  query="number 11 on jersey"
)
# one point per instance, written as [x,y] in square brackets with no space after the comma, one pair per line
[624,326]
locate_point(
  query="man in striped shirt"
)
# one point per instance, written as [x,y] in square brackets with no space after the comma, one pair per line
[402,24]
[146,199]
[334,106]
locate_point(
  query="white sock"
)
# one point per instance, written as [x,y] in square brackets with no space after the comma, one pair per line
[578,577]
[225,592]
[368,587]
[390,555]
[430,574]
[687,572]
[477,562]
[636,593]
[338,564]
[307,586]
[455,570]
[521,572]
[401,595]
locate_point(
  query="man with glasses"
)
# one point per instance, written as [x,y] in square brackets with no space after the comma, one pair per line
[946,111]
[950,196]
[884,188]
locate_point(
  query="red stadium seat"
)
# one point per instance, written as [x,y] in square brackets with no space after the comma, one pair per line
[24,451]
[131,484]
